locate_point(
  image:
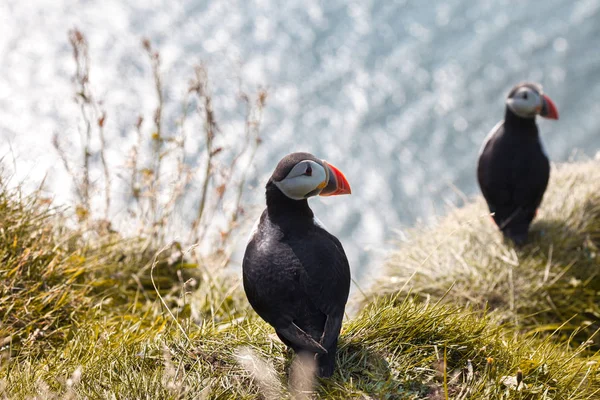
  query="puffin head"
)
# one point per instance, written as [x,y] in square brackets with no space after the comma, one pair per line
[301,175]
[527,100]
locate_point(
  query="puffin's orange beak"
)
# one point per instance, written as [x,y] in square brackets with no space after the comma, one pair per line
[549,110]
[337,183]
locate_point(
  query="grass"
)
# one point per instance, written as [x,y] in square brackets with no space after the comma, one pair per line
[552,283]
[82,318]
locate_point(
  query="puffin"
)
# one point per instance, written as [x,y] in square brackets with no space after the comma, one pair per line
[513,168]
[296,274]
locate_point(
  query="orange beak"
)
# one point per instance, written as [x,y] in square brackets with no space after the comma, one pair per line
[549,110]
[337,183]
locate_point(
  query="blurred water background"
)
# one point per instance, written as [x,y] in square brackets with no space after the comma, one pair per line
[398,94]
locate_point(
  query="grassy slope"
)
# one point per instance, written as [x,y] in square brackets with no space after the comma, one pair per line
[552,280]
[80,319]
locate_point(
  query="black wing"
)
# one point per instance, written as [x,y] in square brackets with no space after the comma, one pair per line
[493,185]
[326,280]
[513,179]
[299,286]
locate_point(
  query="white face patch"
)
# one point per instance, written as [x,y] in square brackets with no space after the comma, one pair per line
[303,179]
[526,102]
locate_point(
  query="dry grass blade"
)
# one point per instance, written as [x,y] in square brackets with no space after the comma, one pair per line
[262,372]
[303,373]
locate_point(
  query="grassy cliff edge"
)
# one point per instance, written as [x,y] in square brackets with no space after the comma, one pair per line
[551,283]
[460,315]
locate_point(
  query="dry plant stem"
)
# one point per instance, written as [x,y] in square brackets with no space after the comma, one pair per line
[83,99]
[445,365]
[210,127]
[63,157]
[253,126]
[134,184]
[184,173]
[89,109]
[157,135]
[105,168]
[86,139]
[251,140]
[154,196]
[233,222]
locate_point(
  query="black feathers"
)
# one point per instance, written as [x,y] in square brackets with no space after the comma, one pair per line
[513,173]
[296,275]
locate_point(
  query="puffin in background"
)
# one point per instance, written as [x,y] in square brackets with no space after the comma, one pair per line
[296,275]
[513,168]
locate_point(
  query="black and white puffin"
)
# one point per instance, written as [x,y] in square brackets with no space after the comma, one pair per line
[513,168]
[296,275]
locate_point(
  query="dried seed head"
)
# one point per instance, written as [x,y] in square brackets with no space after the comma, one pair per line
[139,122]
[146,44]
[101,120]
[262,97]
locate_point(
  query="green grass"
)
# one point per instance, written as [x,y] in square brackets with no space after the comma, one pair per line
[81,317]
[551,283]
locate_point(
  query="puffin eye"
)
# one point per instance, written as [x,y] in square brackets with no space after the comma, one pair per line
[308,171]
[525,95]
